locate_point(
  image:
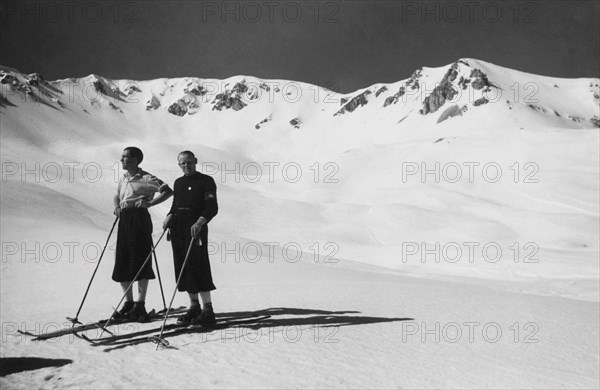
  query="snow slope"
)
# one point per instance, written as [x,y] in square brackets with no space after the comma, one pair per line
[441,231]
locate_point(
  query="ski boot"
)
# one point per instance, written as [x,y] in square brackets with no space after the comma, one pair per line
[186,318]
[138,313]
[121,315]
[205,318]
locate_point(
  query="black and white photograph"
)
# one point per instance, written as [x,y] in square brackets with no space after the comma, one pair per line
[300,194]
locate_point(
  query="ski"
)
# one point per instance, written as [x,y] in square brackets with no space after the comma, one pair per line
[64,331]
[152,316]
[149,317]
[174,330]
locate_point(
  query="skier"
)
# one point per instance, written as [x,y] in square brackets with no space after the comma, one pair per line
[194,205]
[135,194]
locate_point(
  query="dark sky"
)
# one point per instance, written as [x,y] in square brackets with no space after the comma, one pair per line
[343,45]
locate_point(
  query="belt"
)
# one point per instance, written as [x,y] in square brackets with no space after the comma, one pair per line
[188,209]
[130,209]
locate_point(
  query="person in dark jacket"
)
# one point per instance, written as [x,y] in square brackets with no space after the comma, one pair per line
[194,205]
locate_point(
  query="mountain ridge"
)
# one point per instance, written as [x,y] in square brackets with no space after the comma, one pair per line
[445,92]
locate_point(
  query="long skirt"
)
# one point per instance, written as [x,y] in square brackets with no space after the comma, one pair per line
[134,244]
[197,275]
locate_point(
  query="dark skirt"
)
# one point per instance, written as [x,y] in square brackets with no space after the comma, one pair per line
[134,244]
[197,275]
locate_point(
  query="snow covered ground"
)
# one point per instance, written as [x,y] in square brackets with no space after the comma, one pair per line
[406,254]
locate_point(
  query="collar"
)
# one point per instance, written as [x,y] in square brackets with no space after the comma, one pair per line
[195,174]
[138,173]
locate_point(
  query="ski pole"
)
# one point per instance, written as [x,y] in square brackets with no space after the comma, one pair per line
[159,340]
[159,280]
[133,281]
[76,319]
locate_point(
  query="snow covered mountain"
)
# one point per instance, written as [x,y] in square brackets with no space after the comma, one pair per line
[440,93]
[354,166]
[463,194]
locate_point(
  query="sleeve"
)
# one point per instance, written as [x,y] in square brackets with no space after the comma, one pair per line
[174,203]
[117,198]
[211,207]
[155,184]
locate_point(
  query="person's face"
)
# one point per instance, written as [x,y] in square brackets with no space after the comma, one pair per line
[128,161]
[187,164]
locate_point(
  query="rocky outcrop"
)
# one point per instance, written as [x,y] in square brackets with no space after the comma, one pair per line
[195,88]
[178,108]
[452,73]
[34,86]
[114,107]
[253,94]
[480,102]
[576,118]
[595,121]
[595,90]
[536,108]
[446,90]
[109,89]
[413,80]
[35,79]
[100,87]
[131,89]
[9,79]
[411,83]
[464,82]
[380,91]
[394,98]
[188,104]
[480,79]
[267,119]
[440,94]
[231,98]
[152,104]
[357,101]
[224,101]
[296,122]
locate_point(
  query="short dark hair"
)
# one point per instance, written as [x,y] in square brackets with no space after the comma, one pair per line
[136,153]
[188,153]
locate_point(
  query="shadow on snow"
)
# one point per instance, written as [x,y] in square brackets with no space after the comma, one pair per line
[255,320]
[12,365]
